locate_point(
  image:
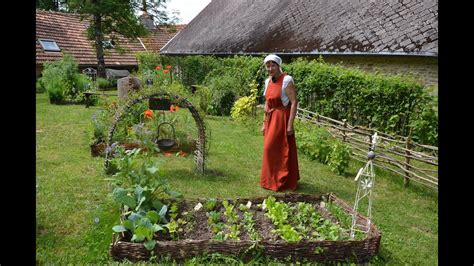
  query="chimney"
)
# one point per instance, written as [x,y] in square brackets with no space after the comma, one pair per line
[147,21]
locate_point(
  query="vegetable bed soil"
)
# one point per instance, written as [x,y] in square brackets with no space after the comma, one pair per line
[284,226]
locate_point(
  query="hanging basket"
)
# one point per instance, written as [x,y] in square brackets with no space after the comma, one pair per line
[166,144]
[162,103]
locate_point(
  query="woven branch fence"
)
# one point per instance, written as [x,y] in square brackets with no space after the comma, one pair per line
[397,154]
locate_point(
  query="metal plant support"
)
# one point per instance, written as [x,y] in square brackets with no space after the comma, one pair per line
[201,142]
[365,179]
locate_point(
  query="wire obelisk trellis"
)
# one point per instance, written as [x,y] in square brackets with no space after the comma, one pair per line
[365,179]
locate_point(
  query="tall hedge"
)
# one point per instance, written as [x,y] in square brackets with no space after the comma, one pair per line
[391,104]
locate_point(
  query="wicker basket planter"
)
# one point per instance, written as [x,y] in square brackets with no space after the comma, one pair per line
[201,243]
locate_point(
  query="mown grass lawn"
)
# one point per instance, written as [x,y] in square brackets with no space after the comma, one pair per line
[74,213]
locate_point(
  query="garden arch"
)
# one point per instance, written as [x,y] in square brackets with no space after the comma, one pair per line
[199,152]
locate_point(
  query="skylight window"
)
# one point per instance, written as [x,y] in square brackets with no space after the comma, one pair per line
[49,45]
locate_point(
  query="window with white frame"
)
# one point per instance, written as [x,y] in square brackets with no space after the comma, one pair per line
[49,45]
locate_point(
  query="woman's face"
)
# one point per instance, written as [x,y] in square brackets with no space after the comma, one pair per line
[272,68]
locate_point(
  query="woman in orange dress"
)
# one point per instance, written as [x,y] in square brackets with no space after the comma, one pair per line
[280,162]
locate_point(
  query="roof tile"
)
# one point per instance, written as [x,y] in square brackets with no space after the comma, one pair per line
[69,32]
[306,26]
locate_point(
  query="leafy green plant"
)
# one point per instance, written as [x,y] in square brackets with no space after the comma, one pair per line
[313,141]
[339,157]
[175,225]
[249,225]
[102,83]
[40,86]
[278,213]
[210,204]
[232,221]
[223,94]
[244,109]
[62,80]
[101,121]
[143,226]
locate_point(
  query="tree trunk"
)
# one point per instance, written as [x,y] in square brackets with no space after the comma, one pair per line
[98,45]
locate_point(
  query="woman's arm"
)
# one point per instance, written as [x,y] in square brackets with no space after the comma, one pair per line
[263,124]
[290,91]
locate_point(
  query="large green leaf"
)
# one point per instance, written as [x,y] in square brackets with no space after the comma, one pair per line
[129,225]
[173,194]
[119,228]
[129,201]
[120,195]
[153,216]
[150,244]
[157,204]
[157,227]
[163,211]
[137,238]
[144,231]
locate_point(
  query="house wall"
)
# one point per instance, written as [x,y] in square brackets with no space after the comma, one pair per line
[423,69]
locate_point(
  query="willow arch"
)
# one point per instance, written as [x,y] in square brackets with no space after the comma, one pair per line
[199,152]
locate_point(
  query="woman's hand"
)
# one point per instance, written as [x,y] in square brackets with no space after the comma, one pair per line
[263,129]
[290,130]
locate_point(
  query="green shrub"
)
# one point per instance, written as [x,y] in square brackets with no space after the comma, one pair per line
[316,143]
[385,102]
[204,95]
[424,125]
[103,83]
[339,157]
[101,121]
[39,86]
[313,141]
[223,92]
[62,80]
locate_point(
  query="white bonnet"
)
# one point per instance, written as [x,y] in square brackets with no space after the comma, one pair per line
[274,58]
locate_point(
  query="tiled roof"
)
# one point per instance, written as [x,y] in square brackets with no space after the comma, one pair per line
[160,36]
[69,32]
[311,27]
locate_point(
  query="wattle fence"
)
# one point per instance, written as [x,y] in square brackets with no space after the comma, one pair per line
[398,154]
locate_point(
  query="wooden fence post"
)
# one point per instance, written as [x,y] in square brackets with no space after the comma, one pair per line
[406,180]
[344,130]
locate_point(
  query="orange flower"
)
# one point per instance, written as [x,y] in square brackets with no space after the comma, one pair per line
[168,66]
[166,71]
[148,114]
[173,108]
[158,67]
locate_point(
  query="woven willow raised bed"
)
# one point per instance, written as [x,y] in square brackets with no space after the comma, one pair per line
[343,250]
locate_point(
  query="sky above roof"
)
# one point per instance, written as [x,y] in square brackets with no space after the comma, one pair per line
[188,8]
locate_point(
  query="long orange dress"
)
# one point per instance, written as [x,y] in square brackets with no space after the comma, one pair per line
[280,162]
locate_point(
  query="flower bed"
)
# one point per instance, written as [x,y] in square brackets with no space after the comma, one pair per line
[292,225]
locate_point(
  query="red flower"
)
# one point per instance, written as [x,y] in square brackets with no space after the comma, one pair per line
[166,71]
[148,114]
[158,67]
[168,66]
